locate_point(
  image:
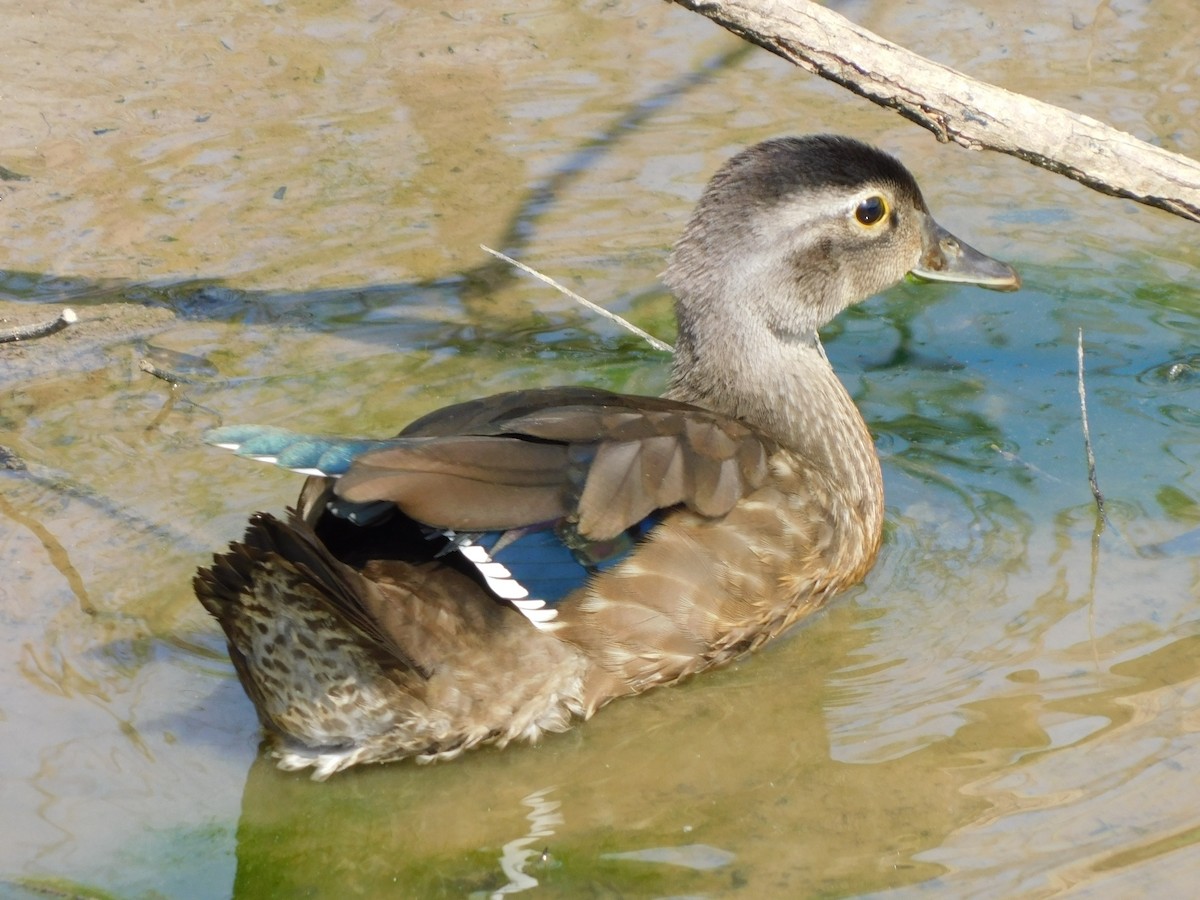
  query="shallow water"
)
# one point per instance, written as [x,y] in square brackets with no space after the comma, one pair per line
[285,204]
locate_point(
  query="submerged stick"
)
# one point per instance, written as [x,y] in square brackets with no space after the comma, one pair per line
[1087,432]
[608,314]
[173,378]
[39,329]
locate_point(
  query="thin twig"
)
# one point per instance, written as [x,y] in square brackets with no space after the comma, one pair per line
[1087,432]
[39,329]
[648,338]
[1009,456]
[1101,518]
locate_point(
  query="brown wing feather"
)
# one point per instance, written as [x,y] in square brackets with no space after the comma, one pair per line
[605,460]
[466,482]
[476,416]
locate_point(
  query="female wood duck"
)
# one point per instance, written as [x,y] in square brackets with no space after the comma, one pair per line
[507,565]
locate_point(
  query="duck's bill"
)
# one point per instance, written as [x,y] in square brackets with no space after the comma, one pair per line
[947,258]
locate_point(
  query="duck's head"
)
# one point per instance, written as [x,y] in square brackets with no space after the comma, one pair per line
[792,231]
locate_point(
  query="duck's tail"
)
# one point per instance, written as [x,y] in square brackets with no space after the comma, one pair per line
[346,666]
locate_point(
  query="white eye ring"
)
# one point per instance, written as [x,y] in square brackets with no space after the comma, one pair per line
[872,211]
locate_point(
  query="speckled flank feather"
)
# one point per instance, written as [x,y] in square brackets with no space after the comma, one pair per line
[394,661]
[703,591]
[506,566]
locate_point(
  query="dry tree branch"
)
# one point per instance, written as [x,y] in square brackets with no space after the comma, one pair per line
[957,108]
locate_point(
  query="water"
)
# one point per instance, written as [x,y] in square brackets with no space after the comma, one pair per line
[1005,706]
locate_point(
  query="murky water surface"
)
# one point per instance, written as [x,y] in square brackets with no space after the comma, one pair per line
[284,203]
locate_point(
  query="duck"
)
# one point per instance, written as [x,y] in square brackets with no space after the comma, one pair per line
[504,567]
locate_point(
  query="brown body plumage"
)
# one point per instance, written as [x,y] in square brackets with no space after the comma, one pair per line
[368,643]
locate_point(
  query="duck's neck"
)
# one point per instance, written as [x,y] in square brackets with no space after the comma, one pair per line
[785,389]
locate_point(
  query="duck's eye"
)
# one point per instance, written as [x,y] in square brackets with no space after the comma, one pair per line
[871,211]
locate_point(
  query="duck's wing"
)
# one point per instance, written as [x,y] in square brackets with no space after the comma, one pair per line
[535,490]
[601,461]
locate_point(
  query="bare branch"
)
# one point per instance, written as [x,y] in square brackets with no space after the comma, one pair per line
[956,108]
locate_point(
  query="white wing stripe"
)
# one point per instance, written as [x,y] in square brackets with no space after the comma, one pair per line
[501,582]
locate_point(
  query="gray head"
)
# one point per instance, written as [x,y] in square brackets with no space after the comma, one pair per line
[793,230]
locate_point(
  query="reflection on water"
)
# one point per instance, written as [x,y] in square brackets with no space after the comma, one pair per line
[517,855]
[1002,708]
[738,762]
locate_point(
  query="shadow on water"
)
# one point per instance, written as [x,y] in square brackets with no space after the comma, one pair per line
[213,299]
